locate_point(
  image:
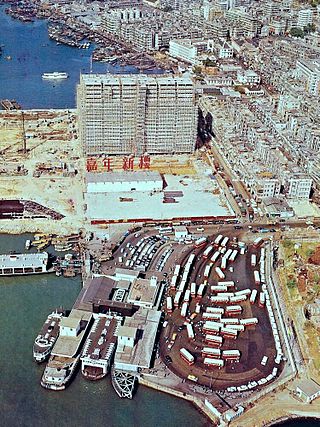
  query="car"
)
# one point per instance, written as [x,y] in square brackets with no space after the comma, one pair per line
[272,230]
[238,227]
[255,231]
[168,359]
[200,229]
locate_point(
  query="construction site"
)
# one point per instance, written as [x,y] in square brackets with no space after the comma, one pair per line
[41,162]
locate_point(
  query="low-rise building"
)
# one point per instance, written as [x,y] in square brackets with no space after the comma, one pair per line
[308,390]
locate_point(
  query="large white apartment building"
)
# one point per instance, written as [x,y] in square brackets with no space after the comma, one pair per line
[133,114]
[299,186]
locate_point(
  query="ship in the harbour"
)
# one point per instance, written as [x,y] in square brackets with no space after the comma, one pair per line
[55,76]
[20,264]
[65,354]
[99,348]
[48,335]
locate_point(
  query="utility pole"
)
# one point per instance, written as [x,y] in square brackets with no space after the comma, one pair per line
[24,141]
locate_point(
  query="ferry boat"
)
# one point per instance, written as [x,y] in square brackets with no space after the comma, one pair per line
[48,335]
[54,76]
[28,244]
[99,348]
[65,354]
[20,264]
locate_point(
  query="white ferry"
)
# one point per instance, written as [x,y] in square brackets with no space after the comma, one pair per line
[54,76]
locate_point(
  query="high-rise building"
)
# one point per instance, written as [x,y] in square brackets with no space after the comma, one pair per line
[133,114]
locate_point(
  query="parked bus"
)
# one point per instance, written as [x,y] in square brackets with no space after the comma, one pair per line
[214,340]
[253,260]
[186,356]
[214,353]
[249,321]
[213,363]
[253,296]
[256,277]
[233,255]
[215,256]
[184,309]
[207,270]
[193,289]
[169,305]
[229,333]
[190,331]
[231,355]
[262,299]
[218,240]
[200,242]
[225,242]
[220,273]
[207,251]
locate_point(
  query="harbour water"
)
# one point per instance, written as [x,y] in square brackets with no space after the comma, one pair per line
[299,422]
[28,52]
[24,305]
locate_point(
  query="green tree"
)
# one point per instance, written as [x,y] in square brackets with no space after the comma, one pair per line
[292,283]
[297,32]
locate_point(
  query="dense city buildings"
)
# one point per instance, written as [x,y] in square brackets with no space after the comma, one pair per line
[134,114]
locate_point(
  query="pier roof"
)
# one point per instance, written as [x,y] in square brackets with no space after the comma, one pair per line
[68,346]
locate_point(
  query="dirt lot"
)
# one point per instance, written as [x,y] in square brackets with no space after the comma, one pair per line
[50,172]
[254,343]
[299,256]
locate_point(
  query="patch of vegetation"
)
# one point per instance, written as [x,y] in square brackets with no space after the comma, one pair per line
[292,283]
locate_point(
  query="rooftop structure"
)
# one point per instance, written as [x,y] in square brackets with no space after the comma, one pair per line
[308,390]
[136,340]
[134,114]
[72,333]
[143,292]
[114,182]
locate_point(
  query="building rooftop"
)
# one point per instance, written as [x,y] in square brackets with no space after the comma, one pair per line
[141,292]
[68,346]
[129,79]
[147,322]
[123,176]
[308,387]
[109,206]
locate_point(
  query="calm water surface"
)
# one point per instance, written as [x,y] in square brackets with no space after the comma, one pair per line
[33,53]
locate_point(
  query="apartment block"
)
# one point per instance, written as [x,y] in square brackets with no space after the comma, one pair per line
[133,114]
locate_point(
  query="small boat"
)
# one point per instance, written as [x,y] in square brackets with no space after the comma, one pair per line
[55,76]
[48,335]
[28,244]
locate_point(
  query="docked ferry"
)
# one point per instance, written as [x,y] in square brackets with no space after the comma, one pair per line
[54,76]
[48,335]
[99,348]
[20,264]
